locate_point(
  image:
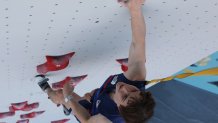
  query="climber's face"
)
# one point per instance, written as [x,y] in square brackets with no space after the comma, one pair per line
[125,94]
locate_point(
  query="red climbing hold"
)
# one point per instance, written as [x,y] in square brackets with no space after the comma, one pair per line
[31,115]
[23,121]
[11,109]
[17,106]
[123,63]
[73,81]
[54,63]
[30,107]
[6,114]
[124,68]
[60,121]
[23,106]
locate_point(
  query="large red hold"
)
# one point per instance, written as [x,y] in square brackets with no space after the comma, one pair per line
[23,121]
[6,114]
[54,63]
[124,64]
[73,81]
[60,121]
[31,115]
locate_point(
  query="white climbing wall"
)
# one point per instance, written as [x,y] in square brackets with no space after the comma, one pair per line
[178,33]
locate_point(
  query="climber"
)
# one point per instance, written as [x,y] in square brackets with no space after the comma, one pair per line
[122,98]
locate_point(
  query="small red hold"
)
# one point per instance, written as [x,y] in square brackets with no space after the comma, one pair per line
[17,106]
[123,61]
[6,114]
[124,64]
[59,85]
[60,121]
[11,109]
[73,81]
[54,63]
[23,121]
[31,115]
[42,68]
[76,80]
[124,68]
[30,107]
[23,106]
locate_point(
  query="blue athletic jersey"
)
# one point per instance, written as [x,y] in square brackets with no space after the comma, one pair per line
[101,101]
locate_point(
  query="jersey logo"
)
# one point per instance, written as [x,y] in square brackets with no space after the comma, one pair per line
[97,103]
[114,80]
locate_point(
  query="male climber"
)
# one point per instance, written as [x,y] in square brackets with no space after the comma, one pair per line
[122,97]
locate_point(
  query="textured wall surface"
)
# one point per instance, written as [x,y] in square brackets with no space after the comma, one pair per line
[179,33]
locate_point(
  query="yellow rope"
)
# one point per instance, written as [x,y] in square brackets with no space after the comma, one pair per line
[210,71]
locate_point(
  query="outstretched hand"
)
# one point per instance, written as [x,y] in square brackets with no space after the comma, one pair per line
[131,4]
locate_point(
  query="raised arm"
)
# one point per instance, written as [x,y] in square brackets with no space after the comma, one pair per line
[137,58]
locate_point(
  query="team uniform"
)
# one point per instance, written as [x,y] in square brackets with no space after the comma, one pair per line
[101,101]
